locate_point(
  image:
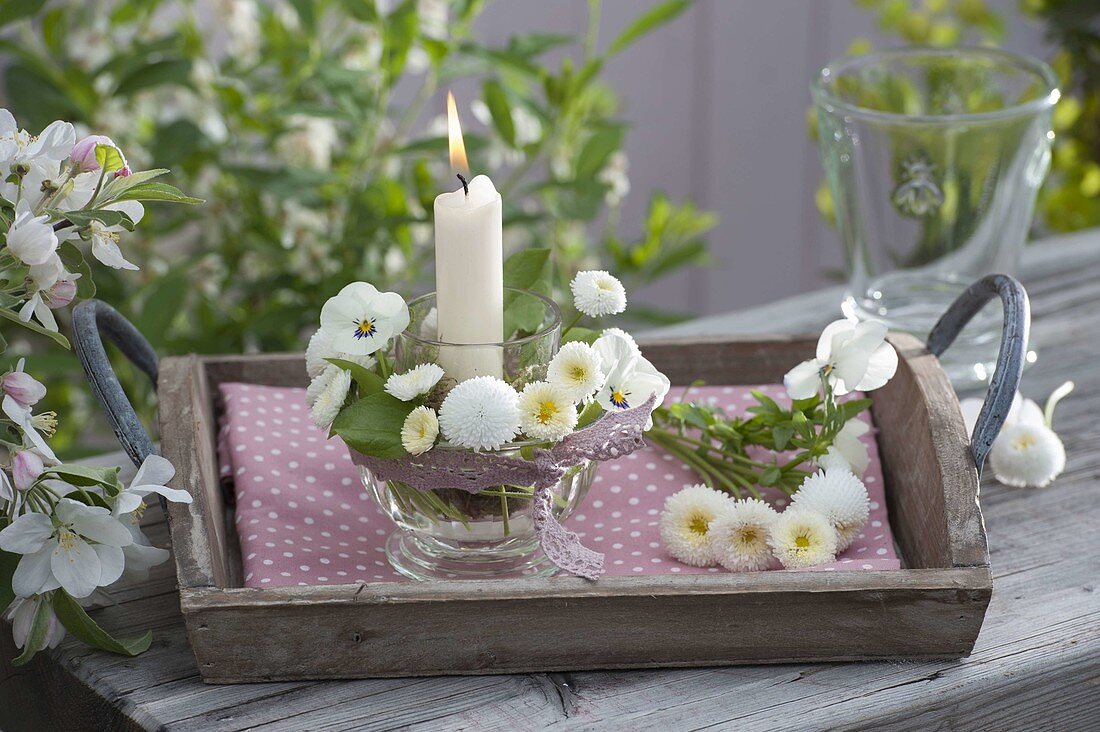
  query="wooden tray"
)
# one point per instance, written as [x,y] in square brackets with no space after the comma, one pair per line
[932,608]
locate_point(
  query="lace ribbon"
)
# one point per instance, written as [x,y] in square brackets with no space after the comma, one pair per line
[612,436]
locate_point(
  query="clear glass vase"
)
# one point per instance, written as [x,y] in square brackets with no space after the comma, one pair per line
[934,158]
[451,533]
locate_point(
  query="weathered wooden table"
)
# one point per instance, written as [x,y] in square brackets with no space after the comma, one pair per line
[1036,664]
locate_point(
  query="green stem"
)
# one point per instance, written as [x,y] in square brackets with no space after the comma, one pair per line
[572,324]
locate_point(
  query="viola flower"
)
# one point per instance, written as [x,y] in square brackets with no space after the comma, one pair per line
[31,239]
[802,538]
[21,614]
[326,395]
[57,553]
[848,449]
[21,387]
[597,293]
[686,522]
[320,349]
[839,496]
[851,356]
[361,320]
[481,413]
[546,412]
[739,536]
[420,430]
[415,382]
[631,379]
[576,370]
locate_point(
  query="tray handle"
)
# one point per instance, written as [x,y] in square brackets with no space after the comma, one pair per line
[1010,359]
[93,319]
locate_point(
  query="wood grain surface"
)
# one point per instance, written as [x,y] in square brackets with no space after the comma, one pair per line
[1036,665]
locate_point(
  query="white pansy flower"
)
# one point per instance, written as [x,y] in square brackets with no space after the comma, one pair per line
[31,239]
[631,378]
[415,382]
[802,538]
[78,549]
[320,349]
[105,238]
[361,320]
[326,395]
[597,293]
[848,449]
[481,413]
[686,522]
[576,370]
[420,430]
[21,616]
[839,496]
[851,356]
[739,536]
[546,411]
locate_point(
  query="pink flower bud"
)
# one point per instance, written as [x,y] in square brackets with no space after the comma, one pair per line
[26,466]
[61,294]
[124,172]
[23,388]
[83,153]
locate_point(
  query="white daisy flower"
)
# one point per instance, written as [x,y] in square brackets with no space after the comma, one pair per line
[597,293]
[320,349]
[1027,455]
[839,496]
[848,449]
[802,538]
[413,383]
[326,395]
[739,536]
[576,370]
[686,522]
[419,431]
[631,379]
[362,320]
[852,356]
[546,412]
[481,413]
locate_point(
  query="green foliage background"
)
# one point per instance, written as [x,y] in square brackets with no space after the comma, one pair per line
[285,116]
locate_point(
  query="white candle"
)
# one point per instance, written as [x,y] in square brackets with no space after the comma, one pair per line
[469,269]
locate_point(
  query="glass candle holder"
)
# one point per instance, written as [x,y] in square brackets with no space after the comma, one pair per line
[934,158]
[451,533]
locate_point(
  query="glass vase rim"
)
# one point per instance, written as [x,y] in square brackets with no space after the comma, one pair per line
[1037,68]
[546,330]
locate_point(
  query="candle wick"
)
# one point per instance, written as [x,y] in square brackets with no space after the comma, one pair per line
[465,185]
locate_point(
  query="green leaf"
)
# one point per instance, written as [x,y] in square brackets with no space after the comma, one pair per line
[589,414]
[105,216]
[8,563]
[157,192]
[597,150]
[527,267]
[368,381]
[74,261]
[40,626]
[161,302]
[647,22]
[158,73]
[77,622]
[81,475]
[35,327]
[781,436]
[109,157]
[373,425]
[497,102]
[398,33]
[13,10]
[584,335]
[118,185]
[769,476]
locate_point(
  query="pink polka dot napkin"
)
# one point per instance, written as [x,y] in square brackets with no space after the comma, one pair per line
[304,518]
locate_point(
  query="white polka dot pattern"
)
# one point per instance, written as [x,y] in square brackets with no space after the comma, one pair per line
[304,518]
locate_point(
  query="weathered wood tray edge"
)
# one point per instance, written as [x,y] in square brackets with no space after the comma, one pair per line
[931,609]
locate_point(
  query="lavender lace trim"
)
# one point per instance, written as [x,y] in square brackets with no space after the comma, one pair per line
[612,436]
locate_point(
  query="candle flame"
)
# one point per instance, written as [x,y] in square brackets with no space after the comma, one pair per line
[459,163]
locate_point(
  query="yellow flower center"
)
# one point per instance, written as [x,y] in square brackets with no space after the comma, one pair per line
[1024,441]
[579,373]
[618,399]
[747,537]
[698,524]
[802,541]
[365,329]
[547,411]
[604,285]
[67,539]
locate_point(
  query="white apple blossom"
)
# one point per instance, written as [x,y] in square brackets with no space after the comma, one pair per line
[105,238]
[21,616]
[851,356]
[151,478]
[31,239]
[24,389]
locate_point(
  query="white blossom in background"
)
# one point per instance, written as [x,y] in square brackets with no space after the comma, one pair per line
[308,142]
[527,125]
[481,413]
[850,356]
[230,28]
[614,175]
[802,538]
[434,21]
[686,522]
[576,369]
[739,536]
[361,320]
[326,395]
[839,496]
[597,293]
[366,55]
[546,411]
[416,382]
[419,431]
